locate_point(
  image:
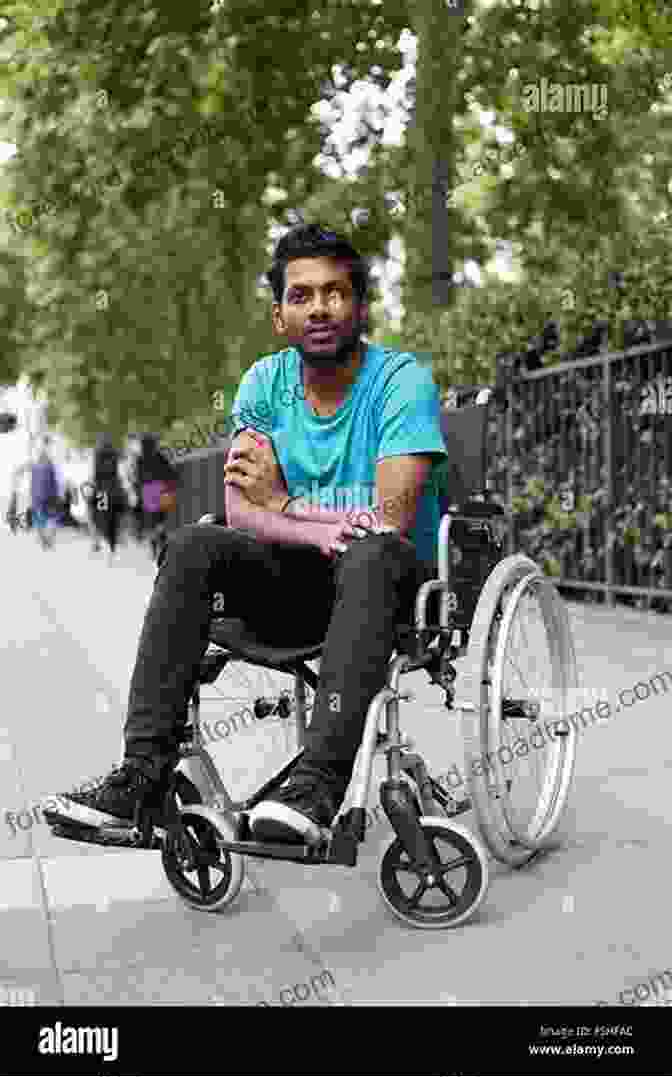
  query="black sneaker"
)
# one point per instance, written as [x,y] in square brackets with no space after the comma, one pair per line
[113,801]
[296,813]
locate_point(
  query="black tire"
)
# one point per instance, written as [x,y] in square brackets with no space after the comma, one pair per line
[202,837]
[459,905]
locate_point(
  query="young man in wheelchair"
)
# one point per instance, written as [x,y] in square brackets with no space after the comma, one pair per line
[297,572]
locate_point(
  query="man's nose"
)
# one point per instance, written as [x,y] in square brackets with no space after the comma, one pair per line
[318,305]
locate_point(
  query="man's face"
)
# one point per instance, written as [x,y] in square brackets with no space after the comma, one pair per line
[319,295]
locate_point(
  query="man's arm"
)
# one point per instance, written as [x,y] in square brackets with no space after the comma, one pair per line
[268,525]
[263,517]
[400,481]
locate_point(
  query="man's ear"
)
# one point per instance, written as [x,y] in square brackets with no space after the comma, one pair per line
[279,327]
[364,317]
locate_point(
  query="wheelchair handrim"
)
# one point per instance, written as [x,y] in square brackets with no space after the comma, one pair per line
[558,761]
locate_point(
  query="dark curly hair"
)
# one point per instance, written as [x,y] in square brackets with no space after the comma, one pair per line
[313,241]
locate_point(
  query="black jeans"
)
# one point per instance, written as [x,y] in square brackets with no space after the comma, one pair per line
[287,596]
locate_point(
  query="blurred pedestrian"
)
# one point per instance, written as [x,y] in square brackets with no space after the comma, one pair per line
[44,496]
[132,488]
[158,480]
[107,500]
[70,494]
[18,509]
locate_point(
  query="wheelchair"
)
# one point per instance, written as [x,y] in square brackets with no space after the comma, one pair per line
[435,871]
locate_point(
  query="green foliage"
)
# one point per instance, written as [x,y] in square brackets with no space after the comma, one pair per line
[158,144]
[576,195]
[143,237]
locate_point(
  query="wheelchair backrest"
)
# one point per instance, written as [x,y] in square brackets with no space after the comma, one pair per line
[465,433]
[201,487]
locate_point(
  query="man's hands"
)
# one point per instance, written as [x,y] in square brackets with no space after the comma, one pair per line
[253,468]
[332,537]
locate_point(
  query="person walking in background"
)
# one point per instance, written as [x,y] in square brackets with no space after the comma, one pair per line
[70,494]
[132,488]
[107,499]
[44,496]
[158,480]
[18,511]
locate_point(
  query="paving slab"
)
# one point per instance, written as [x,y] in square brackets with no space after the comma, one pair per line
[577,926]
[25,942]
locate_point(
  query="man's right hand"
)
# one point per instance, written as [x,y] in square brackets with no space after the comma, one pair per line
[333,538]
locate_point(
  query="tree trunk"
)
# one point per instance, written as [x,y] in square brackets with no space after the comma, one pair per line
[430,255]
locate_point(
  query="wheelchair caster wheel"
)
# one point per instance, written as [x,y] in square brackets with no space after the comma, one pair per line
[191,858]
[447,898]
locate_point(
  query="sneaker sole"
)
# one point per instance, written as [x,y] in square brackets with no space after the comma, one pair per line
[71,812]
[277,822]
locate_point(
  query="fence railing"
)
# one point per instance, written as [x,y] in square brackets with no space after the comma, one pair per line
[582,460]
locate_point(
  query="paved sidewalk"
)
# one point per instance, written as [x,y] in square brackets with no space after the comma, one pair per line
[79,924]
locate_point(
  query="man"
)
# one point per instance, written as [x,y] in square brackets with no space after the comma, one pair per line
[323,421]
[158,480]
[107,496]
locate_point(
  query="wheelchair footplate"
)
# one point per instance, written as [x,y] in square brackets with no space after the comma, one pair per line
[338,844]
[123,837]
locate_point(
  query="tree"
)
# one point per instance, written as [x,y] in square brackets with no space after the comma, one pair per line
[156,146]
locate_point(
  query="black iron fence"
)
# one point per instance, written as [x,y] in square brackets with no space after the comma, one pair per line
[582,461]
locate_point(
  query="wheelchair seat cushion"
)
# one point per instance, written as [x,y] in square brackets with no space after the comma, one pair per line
[234,635]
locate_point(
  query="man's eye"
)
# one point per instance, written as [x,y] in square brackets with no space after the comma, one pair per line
[298,297]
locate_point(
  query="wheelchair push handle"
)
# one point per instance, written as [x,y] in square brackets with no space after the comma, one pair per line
[481,395]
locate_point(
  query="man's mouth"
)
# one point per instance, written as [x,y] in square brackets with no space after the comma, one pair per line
[323,335]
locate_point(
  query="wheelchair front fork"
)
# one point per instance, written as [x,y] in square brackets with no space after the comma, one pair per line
[401,809]
[396,796]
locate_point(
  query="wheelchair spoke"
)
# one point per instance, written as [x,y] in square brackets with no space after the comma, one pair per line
[417,895]
[446,889]
[459,862]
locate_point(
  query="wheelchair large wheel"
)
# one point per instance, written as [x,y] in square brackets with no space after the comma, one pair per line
[191,859]
[457,890]
[523,679]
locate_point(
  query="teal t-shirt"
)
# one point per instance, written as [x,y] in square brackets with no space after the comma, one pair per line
[392,409]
